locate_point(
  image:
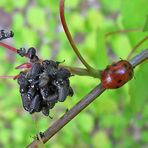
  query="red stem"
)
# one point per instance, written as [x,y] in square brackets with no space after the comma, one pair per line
[67,32]
[8,47]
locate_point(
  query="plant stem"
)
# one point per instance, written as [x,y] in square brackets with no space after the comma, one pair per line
[68,116]
[143,56]
[82,71]
[67,32]
[8,47]
[122,31]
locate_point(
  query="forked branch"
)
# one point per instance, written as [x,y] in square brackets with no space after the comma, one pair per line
[82,104]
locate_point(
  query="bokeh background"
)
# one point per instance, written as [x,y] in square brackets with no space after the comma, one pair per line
[118,118]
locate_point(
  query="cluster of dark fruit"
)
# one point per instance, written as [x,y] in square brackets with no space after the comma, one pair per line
[5,35]
[44,84]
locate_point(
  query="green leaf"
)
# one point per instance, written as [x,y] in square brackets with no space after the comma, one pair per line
[133,16]
[134,13]
[145,28]
[138,88]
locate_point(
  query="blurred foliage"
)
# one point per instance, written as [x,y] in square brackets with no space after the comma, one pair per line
[117,118]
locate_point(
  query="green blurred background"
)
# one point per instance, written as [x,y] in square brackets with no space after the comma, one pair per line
[118,118]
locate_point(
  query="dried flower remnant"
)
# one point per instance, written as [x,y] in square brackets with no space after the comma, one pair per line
[43,83]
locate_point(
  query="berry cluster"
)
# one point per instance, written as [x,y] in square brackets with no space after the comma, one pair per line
[44,84]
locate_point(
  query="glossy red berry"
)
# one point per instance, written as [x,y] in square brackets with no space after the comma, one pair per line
[117,74]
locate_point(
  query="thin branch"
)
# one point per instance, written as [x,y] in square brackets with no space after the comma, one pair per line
[98,90]
[8,47]
[82,104]
[143,56]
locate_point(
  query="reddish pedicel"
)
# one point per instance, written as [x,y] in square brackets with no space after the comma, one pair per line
[117,74]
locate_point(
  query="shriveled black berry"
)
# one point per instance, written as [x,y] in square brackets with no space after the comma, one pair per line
[45,92]
[25,101]
[49,63]
[71,92]
[35,105]
[23,82]
[50,67]
[31,92]
[31,53]
[44,79]
[52,98]
[34,73]
[63,73]
[63,89]
[45,110]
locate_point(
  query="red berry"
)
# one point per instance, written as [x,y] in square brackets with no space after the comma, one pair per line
[117,74]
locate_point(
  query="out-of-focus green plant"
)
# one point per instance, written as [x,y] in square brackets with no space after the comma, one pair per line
[119,118]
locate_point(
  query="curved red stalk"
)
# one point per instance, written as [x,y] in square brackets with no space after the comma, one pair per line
[8,47]
[67,32]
